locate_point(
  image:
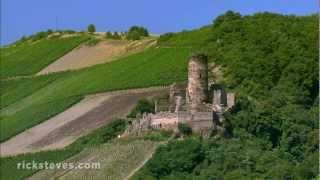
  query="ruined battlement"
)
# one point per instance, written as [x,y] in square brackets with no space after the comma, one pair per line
[197,89]
[190,103]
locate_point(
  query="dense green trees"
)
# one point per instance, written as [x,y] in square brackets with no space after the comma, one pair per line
[271,62]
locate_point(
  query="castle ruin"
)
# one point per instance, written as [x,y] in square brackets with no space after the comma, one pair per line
[195,103]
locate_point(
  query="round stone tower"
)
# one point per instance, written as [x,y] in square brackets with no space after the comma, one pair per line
[197,90]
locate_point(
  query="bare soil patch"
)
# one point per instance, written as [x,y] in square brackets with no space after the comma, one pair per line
[87,115]
[104,51]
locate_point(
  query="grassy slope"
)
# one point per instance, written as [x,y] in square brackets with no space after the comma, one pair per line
[117,159]
[8,165]
[30,58]
[52,94]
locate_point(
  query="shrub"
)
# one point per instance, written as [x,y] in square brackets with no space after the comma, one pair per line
[158,135]
[116,35]
[184,129]
[91,28]
[136,32]
[143,106]
[93,42]
[177,156]
[109,35]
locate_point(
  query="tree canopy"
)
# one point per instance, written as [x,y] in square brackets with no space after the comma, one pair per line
[271,62]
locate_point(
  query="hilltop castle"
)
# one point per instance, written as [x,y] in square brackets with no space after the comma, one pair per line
[196,103]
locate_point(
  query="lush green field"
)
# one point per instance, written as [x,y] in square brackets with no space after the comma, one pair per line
[31,101]
[8,165]
[30,57]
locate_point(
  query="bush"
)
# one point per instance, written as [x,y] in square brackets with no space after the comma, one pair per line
[91,28]
[115,35]
[158,135]
[136,32]
[177,156]
[109,35]
[184,129]
[143,106]
[93,42]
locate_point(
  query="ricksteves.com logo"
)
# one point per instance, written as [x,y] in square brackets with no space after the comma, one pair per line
[62,165]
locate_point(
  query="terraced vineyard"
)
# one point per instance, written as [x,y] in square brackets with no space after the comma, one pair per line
[102,135]
[30,57]
[30,101]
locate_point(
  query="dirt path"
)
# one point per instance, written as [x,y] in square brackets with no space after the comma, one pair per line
[104,51]
[90,113]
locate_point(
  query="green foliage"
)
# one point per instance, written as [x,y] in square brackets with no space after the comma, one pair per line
[30,58]
[93,42]
[271,62]
[115,35]
[184,129]
[143,106]
[157,135]
[91,28]
[109,35]
[136,32]
[177,156]
[30,101]
[33,115]
[102,135]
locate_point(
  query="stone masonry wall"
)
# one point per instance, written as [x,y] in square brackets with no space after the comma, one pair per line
[197,90]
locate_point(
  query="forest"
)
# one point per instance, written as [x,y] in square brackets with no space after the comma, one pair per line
[271,62]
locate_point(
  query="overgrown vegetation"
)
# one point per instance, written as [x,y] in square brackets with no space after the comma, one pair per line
[271,62]
[143,106]
[102,135]
[114,35]
[42,35]
[93,41]
[137,32]
[91,28]
[157,135]
[184,129]
[29,58]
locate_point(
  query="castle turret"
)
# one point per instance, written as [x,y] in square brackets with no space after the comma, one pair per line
[197,90]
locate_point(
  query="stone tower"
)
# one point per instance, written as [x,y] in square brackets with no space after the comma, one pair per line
[197,90]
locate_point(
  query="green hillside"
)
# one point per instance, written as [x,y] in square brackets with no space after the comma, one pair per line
[271,62]
[8,168]
[27,102]
[28,58]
